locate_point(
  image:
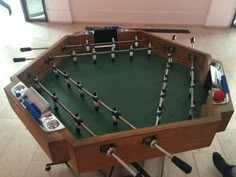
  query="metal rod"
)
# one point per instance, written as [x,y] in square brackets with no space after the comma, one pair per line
[154,144]
[39,48]
[111,152]
[158,117]
[87,129]
[99,53]
[103,46]
[126,122]
[29,58]
[162,164]
[191,111]
[61,56]
[104,43]
[163,150]
[66,109]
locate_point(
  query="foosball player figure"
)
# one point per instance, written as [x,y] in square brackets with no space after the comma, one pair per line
[113,43]
[115,116]
[113,54]
[131,53]
[149,50]
[66,76]
[94,56]
[87,46]
[77,122]
[95,101]
[136,41]
[74,56]
[54,70]
[80,88]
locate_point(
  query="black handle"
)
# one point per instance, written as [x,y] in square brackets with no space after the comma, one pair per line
[25,49]
[193,40]
[19,59]
[186,168]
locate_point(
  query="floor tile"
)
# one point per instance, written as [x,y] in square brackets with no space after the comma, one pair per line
[152,166]
[7,130]
[89,174]
[228,143]
[232,123]
[18,154]
[205,165]
[2,93]
[7,112]
[214,147]
[41,156]
[3,103]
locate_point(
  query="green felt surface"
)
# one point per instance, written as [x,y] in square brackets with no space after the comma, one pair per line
[133,87]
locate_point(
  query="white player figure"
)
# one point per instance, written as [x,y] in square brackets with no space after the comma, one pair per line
[54,69]
[66,77]
[136,41]
[95,102]
[81,91]
[87,45]
[114,118]
[131,51]
[170,60]
[158,116]
[94,54]
[166,71]
[113,43]
[149,51]
[74,56]
[113,54]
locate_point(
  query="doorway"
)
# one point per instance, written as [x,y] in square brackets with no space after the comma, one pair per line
[34,10]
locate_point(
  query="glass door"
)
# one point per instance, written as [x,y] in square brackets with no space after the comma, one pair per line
[34,10]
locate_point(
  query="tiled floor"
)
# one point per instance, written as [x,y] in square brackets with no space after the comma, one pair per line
[20,155]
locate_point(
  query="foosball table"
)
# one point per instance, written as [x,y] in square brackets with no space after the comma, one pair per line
[114,97]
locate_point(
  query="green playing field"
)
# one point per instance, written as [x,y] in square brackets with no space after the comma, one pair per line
[133,87]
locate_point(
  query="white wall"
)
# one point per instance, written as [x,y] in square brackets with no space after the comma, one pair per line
[141,11]
[221,13]
[58,11]
[177,12]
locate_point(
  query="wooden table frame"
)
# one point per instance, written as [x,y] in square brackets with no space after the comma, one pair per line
[83,154]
